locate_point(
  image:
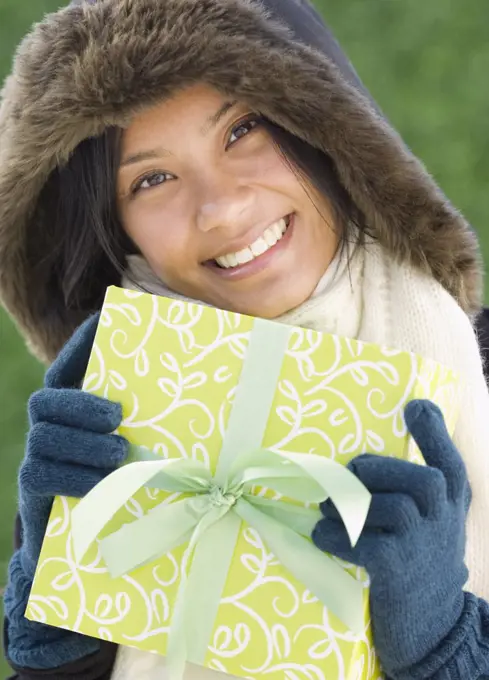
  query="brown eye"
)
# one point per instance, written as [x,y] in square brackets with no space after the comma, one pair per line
[154,179]
[242,129]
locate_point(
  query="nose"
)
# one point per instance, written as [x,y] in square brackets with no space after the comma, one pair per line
[225,205]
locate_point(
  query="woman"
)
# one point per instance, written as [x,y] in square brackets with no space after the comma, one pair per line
[224,153]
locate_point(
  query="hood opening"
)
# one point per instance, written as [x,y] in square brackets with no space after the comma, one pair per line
[93,65]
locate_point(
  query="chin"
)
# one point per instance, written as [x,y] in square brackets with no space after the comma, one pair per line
[268,311]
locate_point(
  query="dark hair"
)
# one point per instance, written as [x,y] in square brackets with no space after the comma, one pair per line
[84,249]
[86,246]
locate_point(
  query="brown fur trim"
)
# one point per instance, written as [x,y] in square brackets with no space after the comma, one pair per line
[87,67]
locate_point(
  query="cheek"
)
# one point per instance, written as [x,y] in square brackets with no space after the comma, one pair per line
[277,172]
[263,164]
[162,236]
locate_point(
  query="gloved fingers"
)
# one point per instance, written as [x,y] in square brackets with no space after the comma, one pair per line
[48,478]
[58,443]
[35,509]
[331,537]
[68,370]
[74,408]
[427,426]
[394,513]
[381,474]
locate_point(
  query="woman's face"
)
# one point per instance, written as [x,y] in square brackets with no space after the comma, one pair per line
[216,211]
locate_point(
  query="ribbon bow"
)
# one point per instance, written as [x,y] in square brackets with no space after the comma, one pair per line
[209,521]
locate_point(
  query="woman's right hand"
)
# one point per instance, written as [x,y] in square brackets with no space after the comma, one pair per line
[70,448]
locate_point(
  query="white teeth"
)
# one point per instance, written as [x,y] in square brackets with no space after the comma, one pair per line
[224,261]
[263,243]
[270,237]
[277,230]
[244,256]
[259,247]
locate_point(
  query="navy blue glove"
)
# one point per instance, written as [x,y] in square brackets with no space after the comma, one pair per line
[69,450]
[412,546]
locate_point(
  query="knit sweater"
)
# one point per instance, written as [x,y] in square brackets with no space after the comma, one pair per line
[370,297]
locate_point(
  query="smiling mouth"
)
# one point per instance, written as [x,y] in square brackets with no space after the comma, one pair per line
[270,237]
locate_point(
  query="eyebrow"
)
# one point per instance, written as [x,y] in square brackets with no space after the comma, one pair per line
[152,154]
[213,120]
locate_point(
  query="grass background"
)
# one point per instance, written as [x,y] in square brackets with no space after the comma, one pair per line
[426,63]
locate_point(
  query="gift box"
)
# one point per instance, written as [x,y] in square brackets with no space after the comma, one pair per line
[198,549]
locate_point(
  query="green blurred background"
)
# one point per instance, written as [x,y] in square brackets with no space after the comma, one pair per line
[426,63]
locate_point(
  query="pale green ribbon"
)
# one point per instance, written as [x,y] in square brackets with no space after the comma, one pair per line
[210,518]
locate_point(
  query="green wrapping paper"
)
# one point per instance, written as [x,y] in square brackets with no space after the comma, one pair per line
[238,427]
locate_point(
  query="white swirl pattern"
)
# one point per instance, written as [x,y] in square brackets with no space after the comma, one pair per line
[175,368]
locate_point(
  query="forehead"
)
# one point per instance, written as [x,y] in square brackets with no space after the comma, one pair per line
[195,108]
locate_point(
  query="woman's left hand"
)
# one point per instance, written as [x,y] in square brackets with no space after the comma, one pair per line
[413,542]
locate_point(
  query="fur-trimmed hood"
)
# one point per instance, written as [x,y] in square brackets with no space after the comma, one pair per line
[89,66]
